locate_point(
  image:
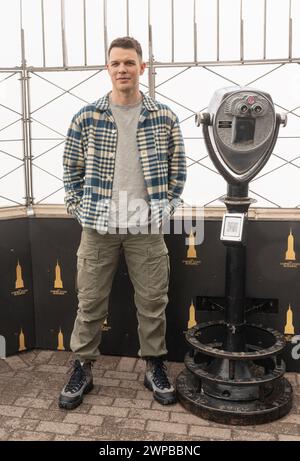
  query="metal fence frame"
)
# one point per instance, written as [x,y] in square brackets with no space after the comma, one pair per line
[25,71]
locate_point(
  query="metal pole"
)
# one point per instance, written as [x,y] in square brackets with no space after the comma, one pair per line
[105,29]
[30,157]
[26,142]
[172,29]
[63,34]
[151,73]
[195,33]
[241,32]
[127,17]
[290,30]
[84,32]
[43,32]
[218,30]
[265,29]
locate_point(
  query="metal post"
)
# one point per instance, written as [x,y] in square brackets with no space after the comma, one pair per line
[26,128]
[151,72]
[84,32]
[127,17]
[105,30]
[241,32]
[43,32]
[63,34]
[265,30]
[290,31]
[195,34]
[218,30]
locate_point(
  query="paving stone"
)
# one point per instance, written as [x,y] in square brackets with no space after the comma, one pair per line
[187,418]
[88,420]
[109,411]
[149,414]
[12,424]
[33,402]
[15,362]
[131,403]
[30,436]
[121,375]
[288,438]
[210,432]
[4,434]
[129,423]
[126,364]
[44,415]
[252,436]
[9,410]
[4,367]
[99,432]
[98,400]
[57,428]
[171,428]
[134,434]
[44,356]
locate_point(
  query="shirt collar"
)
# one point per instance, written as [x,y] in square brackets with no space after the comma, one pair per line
[149,103]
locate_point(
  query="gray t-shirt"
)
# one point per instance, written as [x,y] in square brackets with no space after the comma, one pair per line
[129,205]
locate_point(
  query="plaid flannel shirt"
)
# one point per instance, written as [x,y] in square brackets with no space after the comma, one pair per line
[89,161]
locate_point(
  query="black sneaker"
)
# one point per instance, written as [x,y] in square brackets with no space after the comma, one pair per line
[80,383]
[156,380]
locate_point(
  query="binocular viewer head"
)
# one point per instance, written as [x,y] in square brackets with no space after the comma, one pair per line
[240,131]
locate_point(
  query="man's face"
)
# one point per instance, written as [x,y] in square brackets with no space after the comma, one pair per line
[125,67]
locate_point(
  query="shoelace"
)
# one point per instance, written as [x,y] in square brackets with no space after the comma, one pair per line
[76,378]
[160,377]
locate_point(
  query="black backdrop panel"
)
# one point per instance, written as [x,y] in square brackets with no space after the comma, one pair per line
[16,291]
[51,263]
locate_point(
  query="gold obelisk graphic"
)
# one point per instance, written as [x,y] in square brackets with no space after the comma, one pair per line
[19,280]
[60,346]
[290,253]
[191,253]
[22,346]
[58,281]
[192,316]
[289,327]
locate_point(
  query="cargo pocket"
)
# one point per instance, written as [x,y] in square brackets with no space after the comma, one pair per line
[87,265]
[158,270]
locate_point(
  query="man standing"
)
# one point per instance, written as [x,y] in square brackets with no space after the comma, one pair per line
[124,172]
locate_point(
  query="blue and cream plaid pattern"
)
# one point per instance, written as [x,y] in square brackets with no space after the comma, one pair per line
[89,160]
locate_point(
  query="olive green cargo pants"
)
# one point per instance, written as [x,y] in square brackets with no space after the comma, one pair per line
[148,267]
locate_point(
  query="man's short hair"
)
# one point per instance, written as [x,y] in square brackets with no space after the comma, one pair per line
[126,43]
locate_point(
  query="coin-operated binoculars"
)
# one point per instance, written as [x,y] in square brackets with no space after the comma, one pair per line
[234,371]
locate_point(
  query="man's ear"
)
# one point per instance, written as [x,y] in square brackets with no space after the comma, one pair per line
[143,67]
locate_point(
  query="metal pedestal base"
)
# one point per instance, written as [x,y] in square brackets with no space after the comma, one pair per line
[274,406]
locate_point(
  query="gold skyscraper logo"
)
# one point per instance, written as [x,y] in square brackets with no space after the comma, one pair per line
[290,254]
[19,282]
[22,346]
[60,342]
[192,316]
[289,327]
[58,283]
[191,255]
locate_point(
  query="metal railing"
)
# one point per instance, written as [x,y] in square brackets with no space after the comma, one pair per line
[212,65]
